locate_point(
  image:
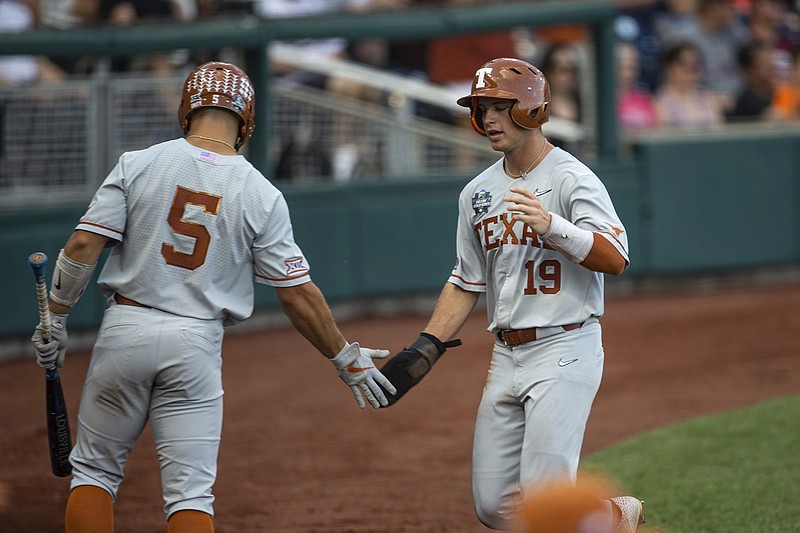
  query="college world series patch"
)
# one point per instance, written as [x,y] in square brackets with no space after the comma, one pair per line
[481,201]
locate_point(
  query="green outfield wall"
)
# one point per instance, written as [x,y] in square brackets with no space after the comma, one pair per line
[705,204]
[721,200]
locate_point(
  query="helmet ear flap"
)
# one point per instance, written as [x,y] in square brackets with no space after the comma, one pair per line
[540,115]
[530,118]
[476,117]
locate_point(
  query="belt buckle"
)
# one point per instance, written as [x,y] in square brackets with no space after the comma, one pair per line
[501,336]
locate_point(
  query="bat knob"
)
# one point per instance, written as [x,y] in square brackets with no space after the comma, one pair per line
[37,258]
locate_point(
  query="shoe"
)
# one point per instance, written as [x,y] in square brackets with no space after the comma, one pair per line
[632,513]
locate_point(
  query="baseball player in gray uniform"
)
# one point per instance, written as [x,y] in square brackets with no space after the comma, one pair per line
[536,233]
[192,224]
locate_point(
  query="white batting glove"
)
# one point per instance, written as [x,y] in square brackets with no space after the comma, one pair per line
[355,367]
[50,354]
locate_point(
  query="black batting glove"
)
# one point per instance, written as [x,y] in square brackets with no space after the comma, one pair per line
[408,367]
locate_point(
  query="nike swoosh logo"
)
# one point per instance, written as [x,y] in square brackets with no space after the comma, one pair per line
[542,193]
[353,368]
[561,362]
[57,283]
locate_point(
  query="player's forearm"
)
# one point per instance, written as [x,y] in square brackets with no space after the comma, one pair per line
[587,248]
[306,308]
[73,271]
[452,310]
[603,257]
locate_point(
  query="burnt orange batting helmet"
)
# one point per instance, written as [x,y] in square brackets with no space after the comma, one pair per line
[511,79]
[223,85]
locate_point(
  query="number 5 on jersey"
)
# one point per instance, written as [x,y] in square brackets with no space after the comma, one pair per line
[210,204]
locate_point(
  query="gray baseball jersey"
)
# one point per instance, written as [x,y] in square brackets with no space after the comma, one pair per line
[193,229]
[538,394]
[527,282]
[193,250]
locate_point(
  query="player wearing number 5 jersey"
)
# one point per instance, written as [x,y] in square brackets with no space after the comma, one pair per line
[537,231]
[192,225]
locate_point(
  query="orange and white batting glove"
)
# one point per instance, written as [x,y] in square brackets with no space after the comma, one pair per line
[50,353]
[354,365]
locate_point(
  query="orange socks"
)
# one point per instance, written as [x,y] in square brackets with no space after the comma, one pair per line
[190,522]
[89,510]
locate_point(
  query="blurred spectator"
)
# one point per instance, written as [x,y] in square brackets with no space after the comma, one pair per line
[682,101]
[125,13]
[773,22]
[718,34]
[408,57]
[66,15]
[561,68]
[333,47]
[754,102]
[635,109]
[301,154]
[17,16]
[401,56]
[130,12]
[677,18]
[19,160]
[636,24]
[207,9]
[787,96]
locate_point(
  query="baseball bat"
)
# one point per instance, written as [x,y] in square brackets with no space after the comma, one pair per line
[59,437]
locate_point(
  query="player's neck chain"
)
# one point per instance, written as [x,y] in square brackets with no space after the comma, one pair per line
[535,162]
[212,140]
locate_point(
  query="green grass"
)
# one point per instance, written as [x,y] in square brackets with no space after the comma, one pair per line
[733,473]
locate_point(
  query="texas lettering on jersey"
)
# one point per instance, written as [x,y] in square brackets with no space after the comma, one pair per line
[501,230]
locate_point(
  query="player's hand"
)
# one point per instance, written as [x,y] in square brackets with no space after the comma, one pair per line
[355,367]
[50,353]
[408,367]
[526,207]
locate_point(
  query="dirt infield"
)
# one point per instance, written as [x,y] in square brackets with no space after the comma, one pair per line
[298,456]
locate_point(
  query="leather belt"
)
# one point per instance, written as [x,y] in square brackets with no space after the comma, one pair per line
[121,300]
[515,337]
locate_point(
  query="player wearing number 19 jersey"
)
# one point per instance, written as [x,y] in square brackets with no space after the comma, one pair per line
[536,233]
[528,283]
